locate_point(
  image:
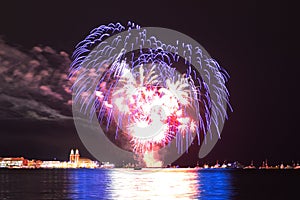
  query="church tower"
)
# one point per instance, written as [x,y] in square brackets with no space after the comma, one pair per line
[77,156]
[72,156]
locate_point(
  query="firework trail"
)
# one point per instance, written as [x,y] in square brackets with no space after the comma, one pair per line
[143,92]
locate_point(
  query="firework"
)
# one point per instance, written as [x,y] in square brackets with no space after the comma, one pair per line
[145,93]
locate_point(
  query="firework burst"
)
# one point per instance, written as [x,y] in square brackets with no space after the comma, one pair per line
[143,92]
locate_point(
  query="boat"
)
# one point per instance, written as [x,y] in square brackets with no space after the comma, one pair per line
[137,168]
[251,166]
[297,167]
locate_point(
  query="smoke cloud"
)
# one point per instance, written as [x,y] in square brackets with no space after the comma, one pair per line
[34,84]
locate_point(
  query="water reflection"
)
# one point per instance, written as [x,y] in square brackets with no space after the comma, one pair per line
[164,184]
[212,184]
[116,184]
[152,184]
[33,184]
[215,184]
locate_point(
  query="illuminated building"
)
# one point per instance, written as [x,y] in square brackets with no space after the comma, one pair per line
[87,163]
[51,164]
[76,161]
[107,165]
[77,155]
[18,162]
[32,164]
[72,156]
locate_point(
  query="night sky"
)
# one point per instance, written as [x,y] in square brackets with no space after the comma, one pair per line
[252,41]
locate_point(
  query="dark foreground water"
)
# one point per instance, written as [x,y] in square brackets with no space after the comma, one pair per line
[130,184]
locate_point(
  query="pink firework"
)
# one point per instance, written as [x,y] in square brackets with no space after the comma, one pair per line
[143,93]
[148,113]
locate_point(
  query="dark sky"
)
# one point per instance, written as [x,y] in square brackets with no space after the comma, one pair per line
[253,41]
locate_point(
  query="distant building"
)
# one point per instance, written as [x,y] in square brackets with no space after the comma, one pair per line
[33,164]
[76,161]
[107,165]
[51,164]
[17,162]
[77,156]
[72,156]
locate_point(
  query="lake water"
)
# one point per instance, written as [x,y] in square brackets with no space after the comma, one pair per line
[130,184]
